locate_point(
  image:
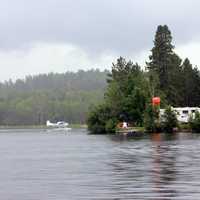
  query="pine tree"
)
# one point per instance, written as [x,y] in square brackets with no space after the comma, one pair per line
[167,67]
[191,84]
[170,120]
[161,54]
[188,82]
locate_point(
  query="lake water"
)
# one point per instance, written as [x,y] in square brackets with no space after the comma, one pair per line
[58,165]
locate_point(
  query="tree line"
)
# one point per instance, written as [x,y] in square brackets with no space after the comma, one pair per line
[131,87]
[53,96]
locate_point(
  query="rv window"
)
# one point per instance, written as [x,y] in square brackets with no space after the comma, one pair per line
[185,111]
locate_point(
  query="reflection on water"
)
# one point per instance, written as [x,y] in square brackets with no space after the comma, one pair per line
[164,170]
[74,165]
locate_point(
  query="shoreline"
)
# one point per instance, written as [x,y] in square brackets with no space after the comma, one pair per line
[39,126]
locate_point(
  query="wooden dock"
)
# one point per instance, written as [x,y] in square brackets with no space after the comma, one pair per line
[129,132]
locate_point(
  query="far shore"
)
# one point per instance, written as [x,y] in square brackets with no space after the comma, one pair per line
[38,126]
[84,126]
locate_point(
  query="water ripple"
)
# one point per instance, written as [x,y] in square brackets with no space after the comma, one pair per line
[60,166]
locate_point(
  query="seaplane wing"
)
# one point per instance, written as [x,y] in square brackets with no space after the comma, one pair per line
[62,124]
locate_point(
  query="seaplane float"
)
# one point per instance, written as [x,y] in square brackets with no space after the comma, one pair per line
[58,125]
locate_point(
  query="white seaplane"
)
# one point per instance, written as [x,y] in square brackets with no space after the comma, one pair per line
[59,124]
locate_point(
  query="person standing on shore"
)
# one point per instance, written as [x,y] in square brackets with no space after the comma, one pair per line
[124,125]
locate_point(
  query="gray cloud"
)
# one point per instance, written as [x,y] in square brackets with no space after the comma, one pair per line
[121,26]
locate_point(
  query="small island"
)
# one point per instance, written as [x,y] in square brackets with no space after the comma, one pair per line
[132,89]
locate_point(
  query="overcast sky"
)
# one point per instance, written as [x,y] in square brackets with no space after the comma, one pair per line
[41,36]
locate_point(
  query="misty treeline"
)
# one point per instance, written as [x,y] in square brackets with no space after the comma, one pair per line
[52,96]
[130,87]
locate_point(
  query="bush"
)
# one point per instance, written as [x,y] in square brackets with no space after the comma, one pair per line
[169,120]
[195,122]
[97,119]
[184,126]
[111,126]
[151,119]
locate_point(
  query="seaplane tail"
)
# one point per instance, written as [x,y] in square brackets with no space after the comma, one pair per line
[49,124]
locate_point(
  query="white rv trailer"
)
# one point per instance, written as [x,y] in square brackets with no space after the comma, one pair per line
[183,114]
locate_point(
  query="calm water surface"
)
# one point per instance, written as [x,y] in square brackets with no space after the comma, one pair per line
[55,165]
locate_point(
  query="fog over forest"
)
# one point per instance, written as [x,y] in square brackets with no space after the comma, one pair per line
[65,96]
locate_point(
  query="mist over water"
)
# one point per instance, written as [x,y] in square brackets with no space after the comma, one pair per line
[59,165]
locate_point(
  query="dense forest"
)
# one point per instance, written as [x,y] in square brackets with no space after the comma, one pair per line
[131,87]
[52,96]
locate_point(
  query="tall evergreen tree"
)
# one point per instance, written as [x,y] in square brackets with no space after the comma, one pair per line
[161,54]
[188,82]
[167,66]
[174,88]
[191,84]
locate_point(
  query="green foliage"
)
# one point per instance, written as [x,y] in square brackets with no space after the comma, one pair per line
[161,54]
[191,83]
[52,97]
[169,120]
[99,120]
[126,93]
[129,88]
[125,97]
[110,126]
[178,82]
[151,119]
[184,126]
[195,123]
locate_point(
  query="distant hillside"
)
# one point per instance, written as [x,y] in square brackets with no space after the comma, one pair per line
[51,96]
